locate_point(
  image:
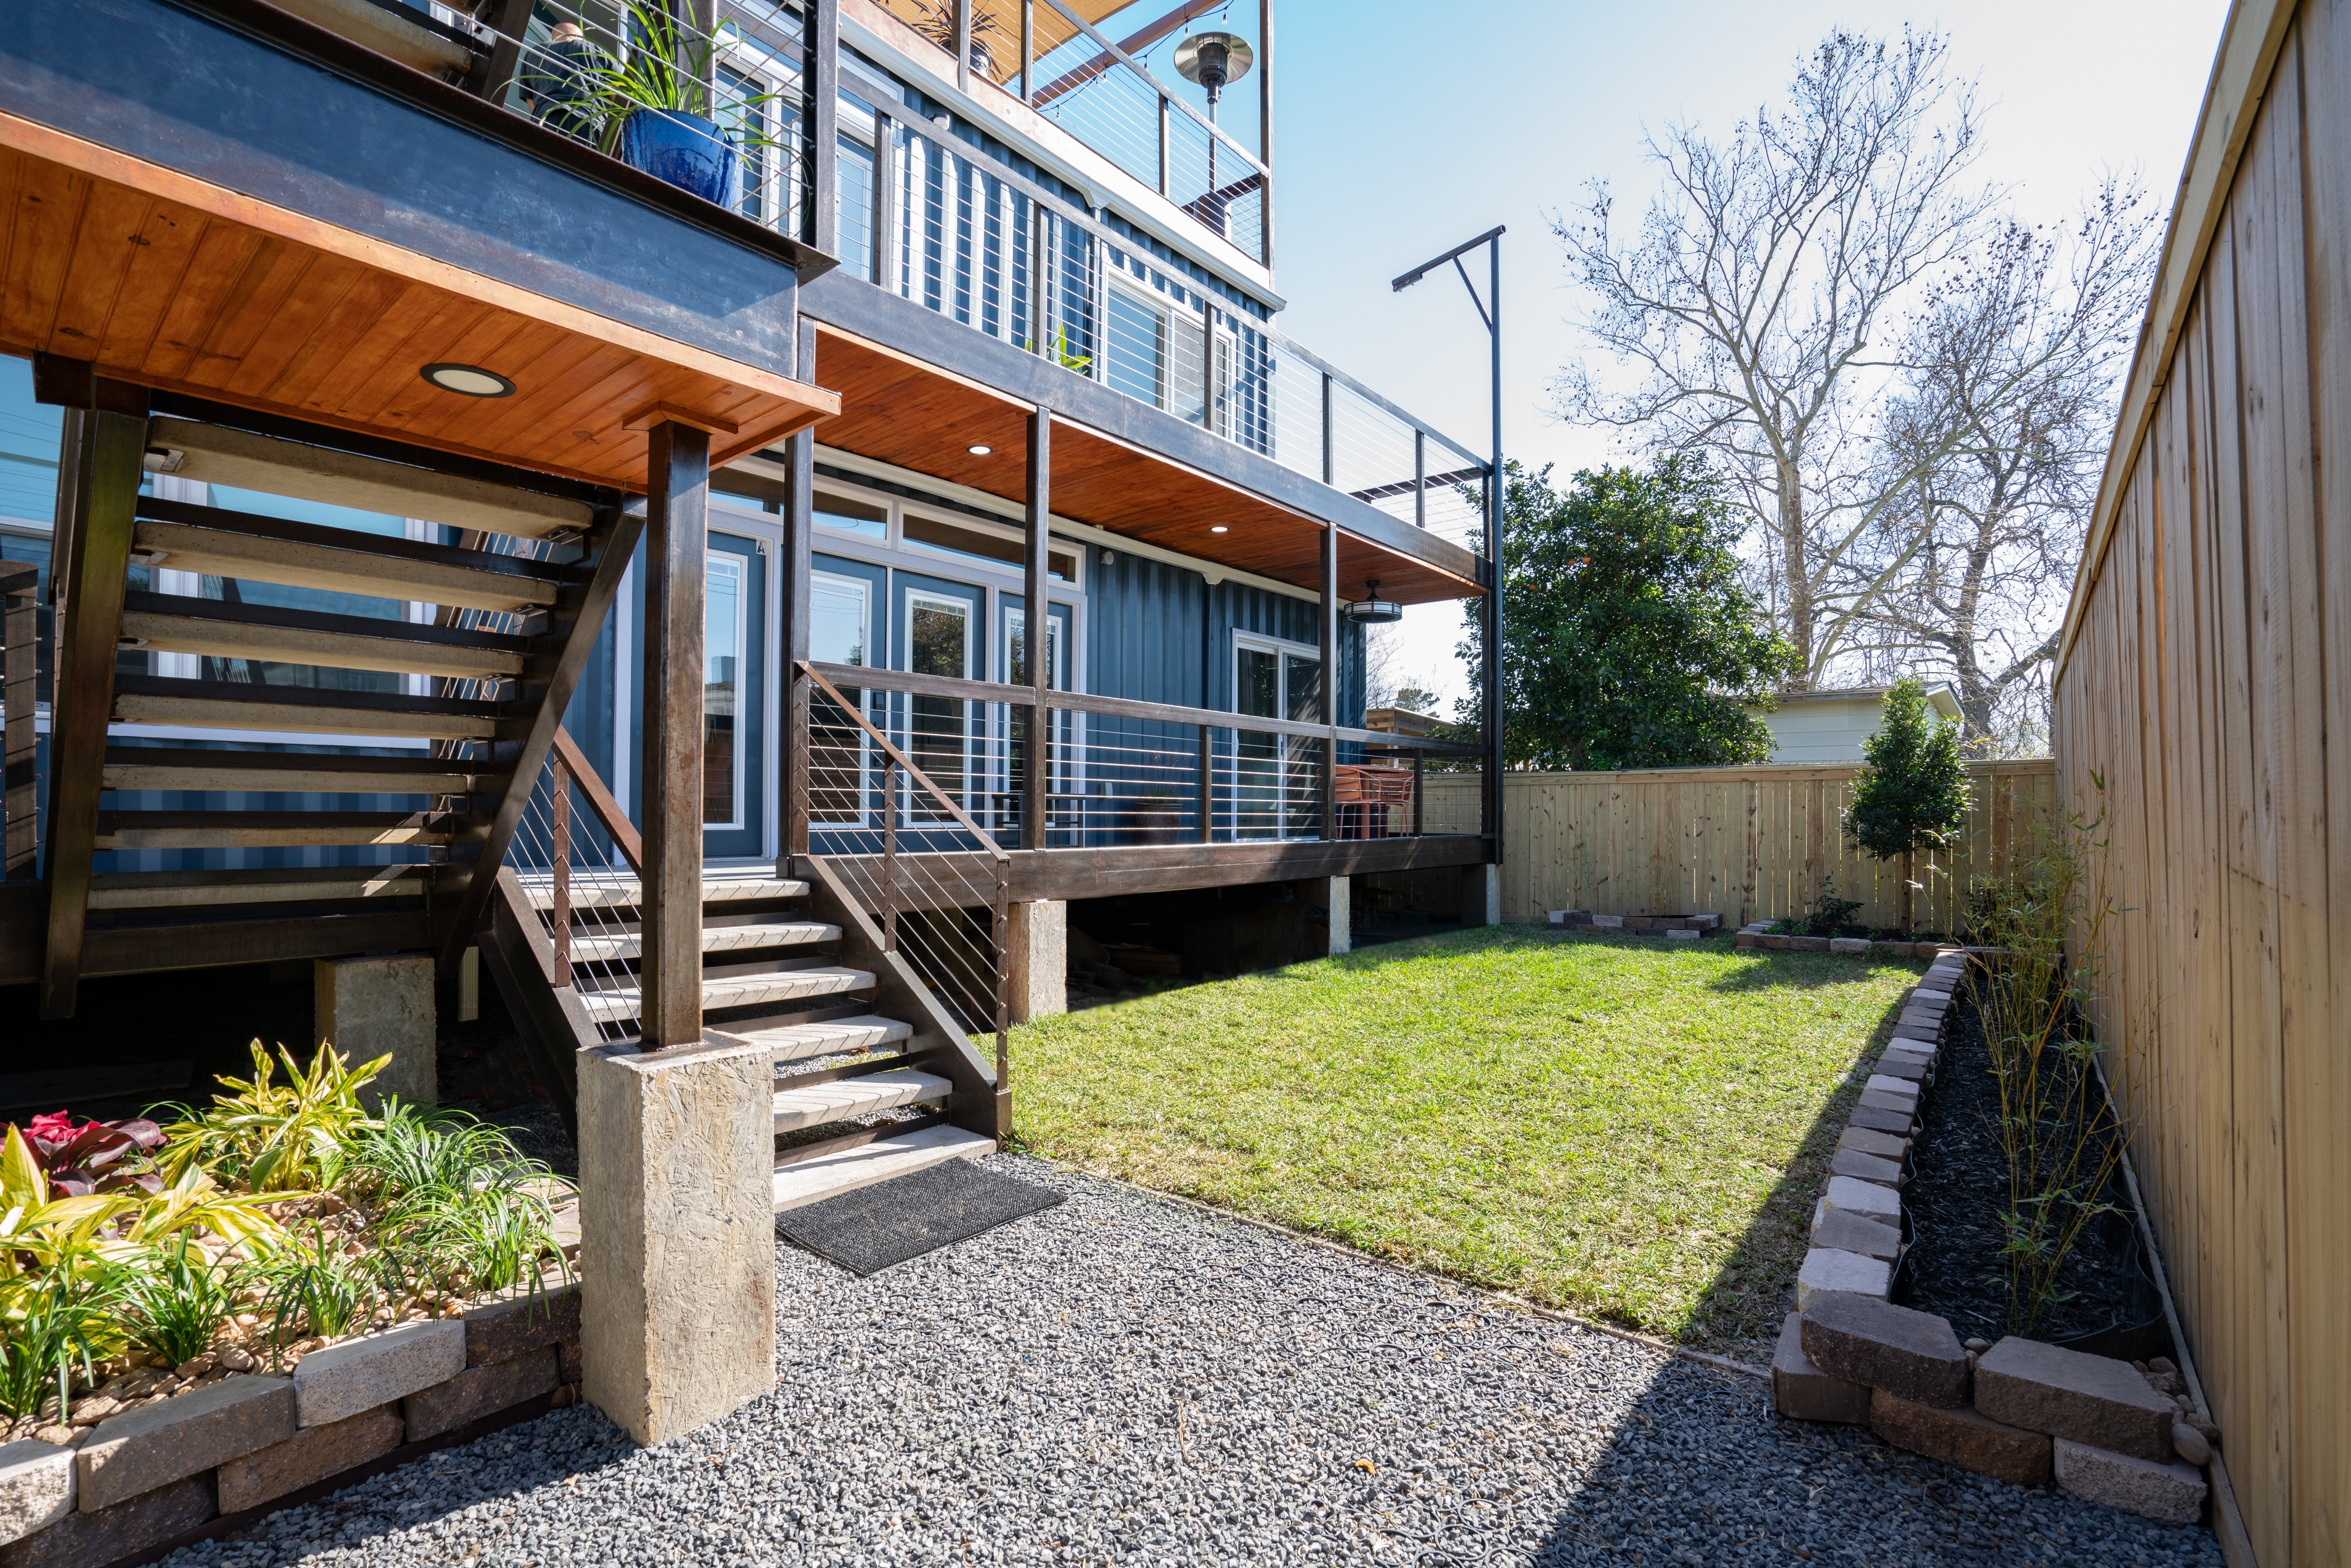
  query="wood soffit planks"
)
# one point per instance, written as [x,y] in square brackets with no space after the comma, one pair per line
[165,281]
[899,411]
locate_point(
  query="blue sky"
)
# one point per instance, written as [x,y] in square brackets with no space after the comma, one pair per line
[1402,130]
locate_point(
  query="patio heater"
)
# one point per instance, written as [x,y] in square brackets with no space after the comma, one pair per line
[1213,60]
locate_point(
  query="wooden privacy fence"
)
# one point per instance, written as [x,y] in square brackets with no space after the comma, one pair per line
[1749,843]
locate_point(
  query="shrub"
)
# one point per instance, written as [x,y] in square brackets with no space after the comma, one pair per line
[1911,793]
[49,1328]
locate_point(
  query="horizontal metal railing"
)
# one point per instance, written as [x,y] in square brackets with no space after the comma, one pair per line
[1120,772]
[719,111]
[925,215]
[893,859]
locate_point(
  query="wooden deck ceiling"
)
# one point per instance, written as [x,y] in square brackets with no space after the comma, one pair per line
[897,410]
[166,281]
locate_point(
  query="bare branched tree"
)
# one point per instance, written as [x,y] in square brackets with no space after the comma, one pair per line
[1782,286]
[1997,435]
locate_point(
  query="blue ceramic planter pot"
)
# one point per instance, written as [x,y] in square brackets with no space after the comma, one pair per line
[689,152]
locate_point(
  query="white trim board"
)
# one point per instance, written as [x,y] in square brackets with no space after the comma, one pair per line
[1086,533]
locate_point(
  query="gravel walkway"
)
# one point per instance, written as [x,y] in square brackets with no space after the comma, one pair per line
[1129,1381]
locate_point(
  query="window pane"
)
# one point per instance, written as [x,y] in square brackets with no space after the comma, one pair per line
[968,544]
[836,618]
[1138,359]
[852,517]
[722,653]
[938,638]
[29,450]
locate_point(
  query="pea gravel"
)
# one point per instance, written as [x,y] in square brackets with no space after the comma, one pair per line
[1123,1380]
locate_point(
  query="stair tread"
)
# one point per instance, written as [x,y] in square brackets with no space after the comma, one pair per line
[738,990]
[591,890]
[846,1170]
[846,1097]
[714,939]
[798,1041]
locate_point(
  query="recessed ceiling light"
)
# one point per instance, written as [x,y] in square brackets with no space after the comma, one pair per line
[979,451]
[1216,529]
[470,380]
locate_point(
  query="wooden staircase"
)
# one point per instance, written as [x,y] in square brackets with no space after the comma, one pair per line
[873,1080]
[499,629]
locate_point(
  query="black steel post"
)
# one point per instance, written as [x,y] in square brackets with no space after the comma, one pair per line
[1330,451]
[822,76]
[1265,119]
[800,534]
[885,187]
[1494,494]
[1419,477]
[1036,772]
[1328,705]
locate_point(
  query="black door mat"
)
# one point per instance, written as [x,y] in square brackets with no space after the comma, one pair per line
[867,1230]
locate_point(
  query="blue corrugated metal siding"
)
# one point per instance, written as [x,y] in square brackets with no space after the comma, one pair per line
[1159,632]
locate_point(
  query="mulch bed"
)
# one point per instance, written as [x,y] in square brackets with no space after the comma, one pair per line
[1954,1268]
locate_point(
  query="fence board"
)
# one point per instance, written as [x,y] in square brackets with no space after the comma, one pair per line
[1749,843]
[2204,680]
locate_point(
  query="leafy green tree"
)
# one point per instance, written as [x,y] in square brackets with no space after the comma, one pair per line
[1628,637]
[1911,793]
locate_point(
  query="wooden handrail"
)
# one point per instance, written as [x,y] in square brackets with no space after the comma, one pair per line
[903,760]
[1124,707]
[600,800]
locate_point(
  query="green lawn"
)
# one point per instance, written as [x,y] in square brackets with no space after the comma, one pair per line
[1632,1132]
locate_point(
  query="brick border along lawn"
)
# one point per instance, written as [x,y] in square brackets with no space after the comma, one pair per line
[1635,1134]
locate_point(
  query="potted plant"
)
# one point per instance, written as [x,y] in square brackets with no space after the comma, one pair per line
[661,111]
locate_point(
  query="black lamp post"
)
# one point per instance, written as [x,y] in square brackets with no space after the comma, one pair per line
[1489,310]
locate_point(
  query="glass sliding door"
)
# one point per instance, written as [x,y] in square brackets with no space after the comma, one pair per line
[1277,779]
[734,698]
[841,764]
[941,638]
[1057,678]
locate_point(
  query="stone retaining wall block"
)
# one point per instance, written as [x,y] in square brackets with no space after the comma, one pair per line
[2173,1493]
[311,1455]
[478,1392]
[1962,1438]
[1867,1167]
[1884,1146]
[2090,1399]
[36,1486]
[342,1380]
[1856,946]
[171,1439]
[86,1539]
[1808,944]
[1898,1120]
[1880,1100]
[504,1329]
[1902,1065]
[1805,1393]
[1775,943]
[1913,1355]
[1863,1198]
[1828,1272]
[1852,1233]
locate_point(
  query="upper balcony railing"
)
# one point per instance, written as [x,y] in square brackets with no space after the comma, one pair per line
[925,209]
[931,217]
[1047,55]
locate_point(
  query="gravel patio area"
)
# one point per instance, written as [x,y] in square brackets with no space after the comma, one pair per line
[1125,1380]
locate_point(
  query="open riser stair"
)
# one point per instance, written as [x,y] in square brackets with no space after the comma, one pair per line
[449,657]
[871,1080]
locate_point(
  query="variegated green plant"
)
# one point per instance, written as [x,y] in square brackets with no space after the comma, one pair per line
[288,1138]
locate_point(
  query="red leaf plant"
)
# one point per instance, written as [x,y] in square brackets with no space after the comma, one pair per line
[87,1157]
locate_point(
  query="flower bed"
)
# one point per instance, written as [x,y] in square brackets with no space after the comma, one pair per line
[203,1316]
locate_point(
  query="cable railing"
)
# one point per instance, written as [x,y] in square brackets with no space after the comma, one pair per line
[926,216]
[933,877]
[718,112]
[581,873]
[1045,55]
[1120,773]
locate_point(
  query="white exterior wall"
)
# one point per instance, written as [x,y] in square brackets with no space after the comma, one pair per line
[1830,729]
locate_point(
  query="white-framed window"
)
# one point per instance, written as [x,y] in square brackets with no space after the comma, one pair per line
[928,534]
[941,640]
